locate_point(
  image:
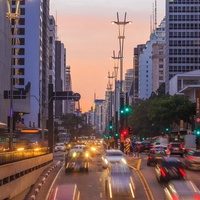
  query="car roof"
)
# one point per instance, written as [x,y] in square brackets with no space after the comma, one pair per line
[113,151]
[184,186]
[171,159]
[76,150]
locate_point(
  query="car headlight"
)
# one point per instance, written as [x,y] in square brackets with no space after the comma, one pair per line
[93,148]
[106,161]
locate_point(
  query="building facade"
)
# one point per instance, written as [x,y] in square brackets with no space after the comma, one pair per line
[182,37]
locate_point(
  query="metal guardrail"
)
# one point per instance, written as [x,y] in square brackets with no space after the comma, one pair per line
[9,157]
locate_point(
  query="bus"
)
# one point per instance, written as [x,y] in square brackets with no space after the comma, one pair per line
[30,138]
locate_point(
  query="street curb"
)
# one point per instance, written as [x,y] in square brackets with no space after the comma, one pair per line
[39,186]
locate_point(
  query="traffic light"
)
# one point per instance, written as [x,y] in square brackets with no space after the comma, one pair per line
[124,132]
[166,129]
[116,134]
[197,131]
[130,130]
[110,125]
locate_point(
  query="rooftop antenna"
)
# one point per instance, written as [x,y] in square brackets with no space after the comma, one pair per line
[155,14]
[150,24]
[153,19]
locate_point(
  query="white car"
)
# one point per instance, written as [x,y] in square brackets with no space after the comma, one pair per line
[60,147]
[111,155]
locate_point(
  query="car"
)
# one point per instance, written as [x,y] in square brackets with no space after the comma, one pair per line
[165,148]
[192,160]
[154,155]
[145,146]
[111,155]
[119,182]
[181,189]
[67,191]
[60,147]
[76,160]
[138,147]
[176,148]
[169,168]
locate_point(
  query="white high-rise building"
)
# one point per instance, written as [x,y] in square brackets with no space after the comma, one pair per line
[182,37]
[33,56]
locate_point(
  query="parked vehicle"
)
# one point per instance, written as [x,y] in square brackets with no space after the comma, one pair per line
[176,148]
[169,168]
[192,160]
[181,189]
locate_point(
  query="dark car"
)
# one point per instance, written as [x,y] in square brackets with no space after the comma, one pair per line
[169,168]
[192,160]
[181,189]
[119,182]
[76,160]
[155,155]
[176,148]
[145,146]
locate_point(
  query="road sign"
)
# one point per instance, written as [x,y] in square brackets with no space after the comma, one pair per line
[76,96]
[128,140]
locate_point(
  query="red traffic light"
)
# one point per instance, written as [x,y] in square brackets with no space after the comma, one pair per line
[124,132]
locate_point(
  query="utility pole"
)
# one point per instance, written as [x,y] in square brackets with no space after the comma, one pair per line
[121,29]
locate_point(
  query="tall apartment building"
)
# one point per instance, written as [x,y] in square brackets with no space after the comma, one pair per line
[100,116]
[128,84]
[182,37]
[52,39]
[137,51]
[158,58]
[5,61]
[30,58]
[69,104]
[60,72]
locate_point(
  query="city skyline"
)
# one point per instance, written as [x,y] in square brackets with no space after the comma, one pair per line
[85,28]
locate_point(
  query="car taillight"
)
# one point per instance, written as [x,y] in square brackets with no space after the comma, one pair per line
[162,171]
[196,196]
[190,157]
[150,157]
[174,197]
[181,145]
[170,146]
[182,172]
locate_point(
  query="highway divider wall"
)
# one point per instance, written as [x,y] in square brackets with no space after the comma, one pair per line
[17,177]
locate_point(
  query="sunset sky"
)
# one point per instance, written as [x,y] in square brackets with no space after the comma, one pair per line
[84,26]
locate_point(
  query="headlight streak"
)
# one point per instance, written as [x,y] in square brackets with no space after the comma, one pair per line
[110,190]
[132,192]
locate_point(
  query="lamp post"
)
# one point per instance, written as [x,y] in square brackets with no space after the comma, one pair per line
[121,30]
[110,116]
[116,109]
[13,20]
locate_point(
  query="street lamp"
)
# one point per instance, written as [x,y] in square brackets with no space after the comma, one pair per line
[13,20]
[121,28]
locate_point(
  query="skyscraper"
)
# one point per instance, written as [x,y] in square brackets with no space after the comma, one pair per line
[182,37]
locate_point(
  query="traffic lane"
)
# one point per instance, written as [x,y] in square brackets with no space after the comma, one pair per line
[89,184]
[92,184]
[149,174]
[157,188]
